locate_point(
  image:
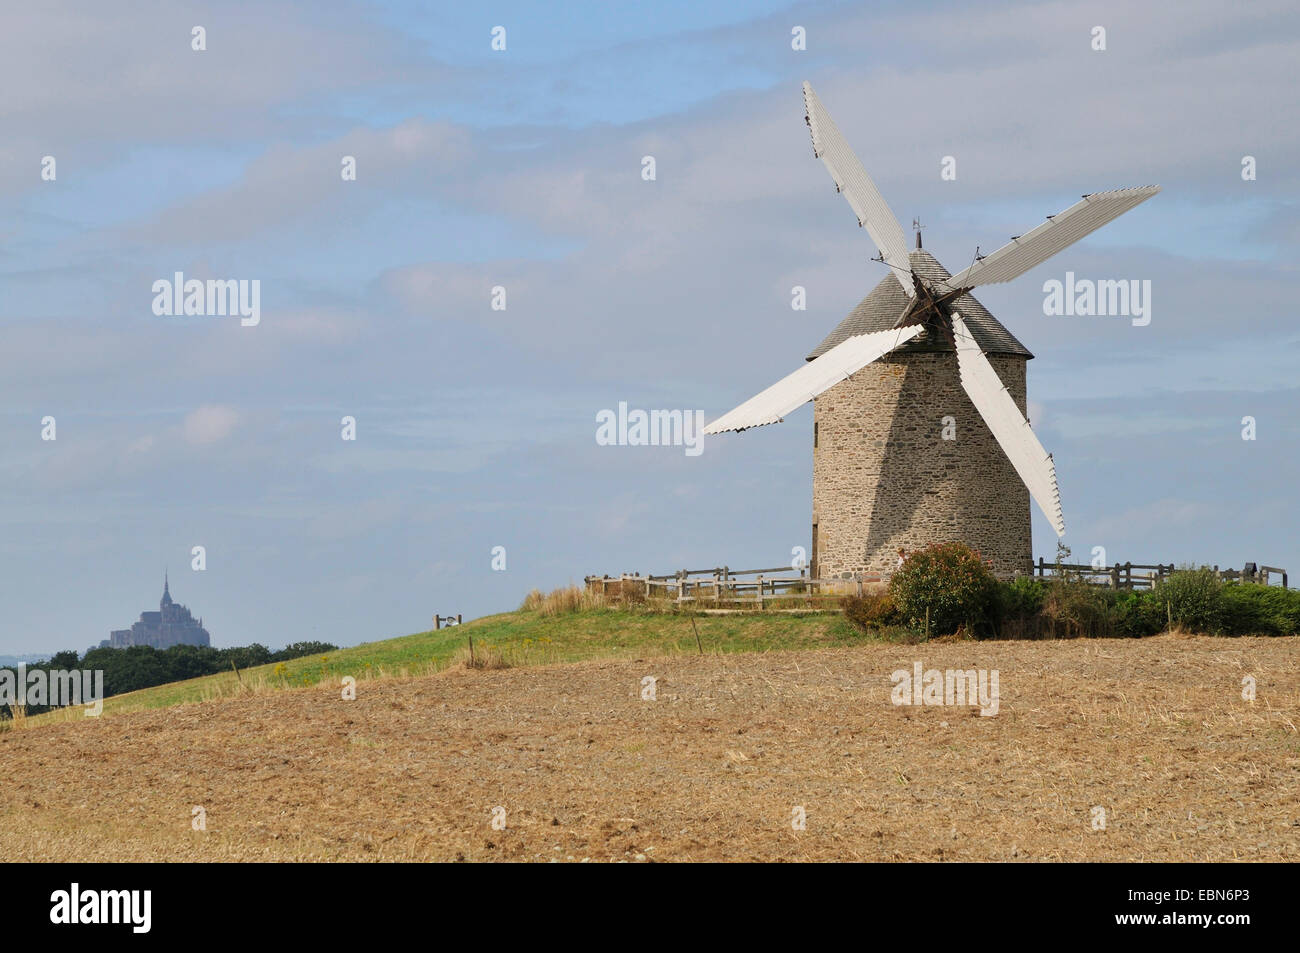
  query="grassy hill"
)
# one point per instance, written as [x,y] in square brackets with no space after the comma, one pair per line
[523,637]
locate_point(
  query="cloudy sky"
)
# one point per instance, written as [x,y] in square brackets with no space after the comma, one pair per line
[522,169]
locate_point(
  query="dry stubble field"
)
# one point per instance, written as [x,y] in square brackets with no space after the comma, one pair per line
[1154,731]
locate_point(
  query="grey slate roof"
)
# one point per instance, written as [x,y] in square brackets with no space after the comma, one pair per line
[879,310]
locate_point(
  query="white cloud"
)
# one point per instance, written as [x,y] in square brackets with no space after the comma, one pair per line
[210,423]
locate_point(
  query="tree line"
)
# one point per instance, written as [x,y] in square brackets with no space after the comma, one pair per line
[142,666]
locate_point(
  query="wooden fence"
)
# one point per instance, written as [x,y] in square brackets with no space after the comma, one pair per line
[1122,575]
[1252,573]
[723,584]
[756,587]
[1118,576]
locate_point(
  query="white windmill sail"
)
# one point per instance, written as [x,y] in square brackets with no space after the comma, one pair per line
[812,379]
[1013,433]
[1043,241]
[852,180]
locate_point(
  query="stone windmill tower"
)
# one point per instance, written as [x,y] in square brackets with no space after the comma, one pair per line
[919,432]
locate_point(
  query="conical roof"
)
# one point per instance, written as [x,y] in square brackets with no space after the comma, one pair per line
[880,310]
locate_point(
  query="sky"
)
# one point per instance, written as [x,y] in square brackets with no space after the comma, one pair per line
[522,168]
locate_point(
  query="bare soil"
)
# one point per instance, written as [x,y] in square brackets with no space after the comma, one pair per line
[1155,732]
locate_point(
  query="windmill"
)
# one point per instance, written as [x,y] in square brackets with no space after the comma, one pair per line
[919,350]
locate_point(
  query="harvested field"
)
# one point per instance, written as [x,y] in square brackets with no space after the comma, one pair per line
[1153,731]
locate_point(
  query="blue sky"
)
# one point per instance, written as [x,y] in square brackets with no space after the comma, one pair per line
[521,168]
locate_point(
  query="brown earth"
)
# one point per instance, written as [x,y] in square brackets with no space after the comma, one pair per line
[1154,731]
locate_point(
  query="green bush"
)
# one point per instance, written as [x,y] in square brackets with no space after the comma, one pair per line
[1016,608]
[1194,600]
[958,589]
[1250,609]
[1022,596]
[950,582]
[1138,613]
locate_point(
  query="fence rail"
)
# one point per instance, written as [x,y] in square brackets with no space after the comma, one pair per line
[1122,575]
[726,585]
[1118,576]
[757,587]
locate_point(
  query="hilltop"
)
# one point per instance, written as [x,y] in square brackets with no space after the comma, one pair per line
[522,637]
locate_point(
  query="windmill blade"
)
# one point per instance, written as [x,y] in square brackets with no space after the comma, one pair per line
[1057,233]
[812,379]
[1013,433]
[852,180]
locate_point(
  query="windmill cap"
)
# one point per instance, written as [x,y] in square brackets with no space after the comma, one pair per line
[879,310]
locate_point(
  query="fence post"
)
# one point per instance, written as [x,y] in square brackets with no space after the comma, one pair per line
[1114,577]
[858,577]
[760,590]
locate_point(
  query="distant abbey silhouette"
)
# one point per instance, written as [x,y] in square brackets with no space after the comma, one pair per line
[172,624]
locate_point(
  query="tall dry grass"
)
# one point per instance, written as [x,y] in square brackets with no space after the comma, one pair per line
[484,658]
[562,601]
[17,719]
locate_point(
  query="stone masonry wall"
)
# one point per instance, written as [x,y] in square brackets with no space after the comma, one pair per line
[884,479]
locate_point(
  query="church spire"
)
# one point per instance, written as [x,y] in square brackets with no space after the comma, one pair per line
[167,596]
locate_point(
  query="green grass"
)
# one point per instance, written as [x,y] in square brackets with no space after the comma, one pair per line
[525,637]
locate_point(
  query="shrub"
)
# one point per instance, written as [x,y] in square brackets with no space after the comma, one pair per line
[949,581]
[1022,596]
[1017,606]
[1194,598]
[871,612]
[1074,609]
[1252,609]
[1138,614]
